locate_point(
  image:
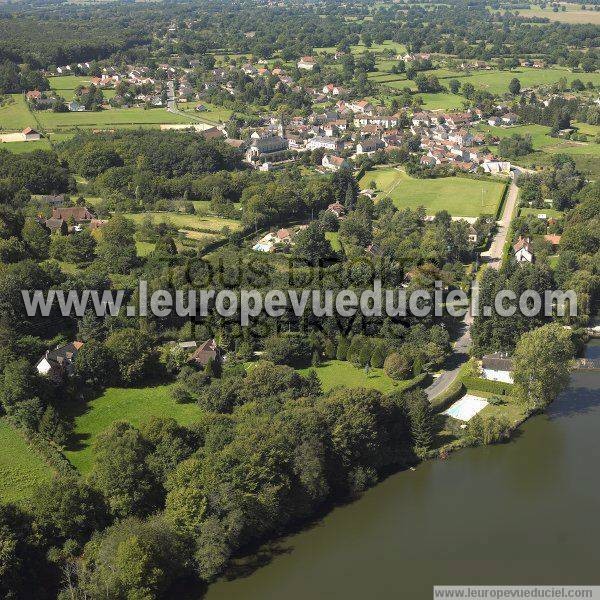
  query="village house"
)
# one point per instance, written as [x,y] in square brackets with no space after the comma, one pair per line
[553,240]
[497,367]
[510,118]
[307,62]
[332,90]
[362,106]
[57,226]
[523,250]
[473,235]
[206,351]
[77,214]
[369,145]
[334,163]
[338,209]
[58,363]
[327,143]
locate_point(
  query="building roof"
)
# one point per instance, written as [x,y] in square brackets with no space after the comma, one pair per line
[498,361]
[77,213]
[523,243]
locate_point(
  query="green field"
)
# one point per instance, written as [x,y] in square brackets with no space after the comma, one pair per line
[336,373]
[573,14]
[134,405]
[494,81]
[21,470]
[184,221]
[334,240]
[22,147]
[112,117]
[549,212]
[65,86]
[460,196]
[214,114]
[15,116]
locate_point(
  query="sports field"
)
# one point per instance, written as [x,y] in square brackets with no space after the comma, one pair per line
[21,470]
[134,405]
[460,196]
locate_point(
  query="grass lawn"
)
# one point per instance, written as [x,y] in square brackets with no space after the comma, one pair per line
[15,115]
[134,405]
[549,212]
[213,114]
[442,101]
[21,470]
[334,240]
[23,147]
[184,221]
[336,373]
[111,117]
[460,196]
[144,248]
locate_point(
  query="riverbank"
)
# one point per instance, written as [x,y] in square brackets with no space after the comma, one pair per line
[523,512]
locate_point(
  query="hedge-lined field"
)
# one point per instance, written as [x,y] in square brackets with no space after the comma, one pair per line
[460,196]
[21,470]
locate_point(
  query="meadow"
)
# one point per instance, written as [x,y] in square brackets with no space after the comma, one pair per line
[460,196]
[213,114]
[187,222]
[15,115]
[135,405]
[22,147]
[573,14]
[335,373]
[21,470]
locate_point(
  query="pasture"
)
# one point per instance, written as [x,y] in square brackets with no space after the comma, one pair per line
[214,114]
[339,373]
[460,196]
[21,470]
[134,405]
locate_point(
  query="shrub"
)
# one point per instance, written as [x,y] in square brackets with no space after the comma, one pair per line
[485,385]
[397,366]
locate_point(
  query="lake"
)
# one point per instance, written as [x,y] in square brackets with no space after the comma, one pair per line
[524,512]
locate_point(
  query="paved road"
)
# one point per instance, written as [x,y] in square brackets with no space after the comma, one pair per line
[494,255]
[460,352]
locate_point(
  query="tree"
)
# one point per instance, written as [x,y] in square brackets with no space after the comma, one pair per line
[288,349]
[311,245]
[94,364]
[398,366]
[52,427]
[454,86]
[121,471]
[117,247]
[514,87]
[542,364]
[67,508]
[378,357]
[135,559]
[24,569]
[341,352]
[36,238]
[420,416]
[133,352]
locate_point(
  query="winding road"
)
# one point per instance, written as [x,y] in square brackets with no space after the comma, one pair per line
[493,257]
